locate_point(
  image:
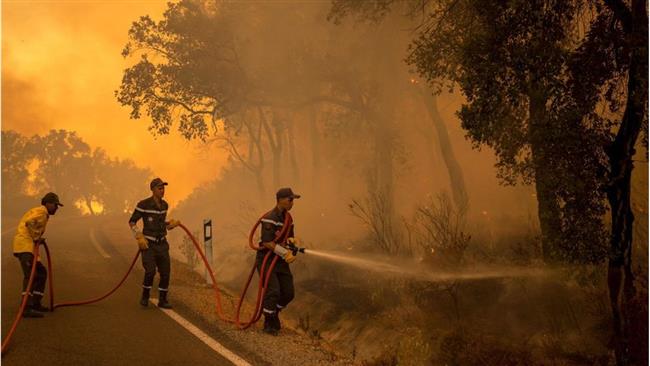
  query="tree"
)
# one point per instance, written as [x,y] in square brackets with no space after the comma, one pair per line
[15,173]
[508,59]
[253,160]
[200,67]
[535,85]
[632,36]
[15,160]
[456,180]
[120,184]
[64,163]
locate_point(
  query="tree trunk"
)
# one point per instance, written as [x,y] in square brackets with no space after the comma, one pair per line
[277,167]
[315,150]
[274,136]
[625,312]
[254,153]
[259,181]
[291,144]
[260,158]
[456,179]
[381,190]
[383,166]
[548,208]
[258,169]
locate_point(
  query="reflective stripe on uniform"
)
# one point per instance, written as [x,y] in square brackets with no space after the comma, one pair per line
[272,222]
[162,289]
[269,311]
[151,211]
[154,238]
[147,287]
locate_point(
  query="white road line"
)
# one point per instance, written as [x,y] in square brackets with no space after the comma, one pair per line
[97,245]
[209,341]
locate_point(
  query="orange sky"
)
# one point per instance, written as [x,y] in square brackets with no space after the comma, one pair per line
[61,64]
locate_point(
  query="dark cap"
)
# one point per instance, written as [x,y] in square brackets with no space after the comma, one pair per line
[286,192]
[51,197]
[157,182]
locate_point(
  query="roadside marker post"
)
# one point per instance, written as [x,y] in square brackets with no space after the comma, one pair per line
[207,246]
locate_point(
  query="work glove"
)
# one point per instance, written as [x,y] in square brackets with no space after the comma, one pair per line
[289,257]
[172,224]
[295,241]
[142,241]
[284,253]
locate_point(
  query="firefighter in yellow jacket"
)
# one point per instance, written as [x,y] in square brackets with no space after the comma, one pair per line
[30,230]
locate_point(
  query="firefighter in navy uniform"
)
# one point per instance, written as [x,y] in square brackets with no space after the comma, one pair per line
[280,289]
[152,241]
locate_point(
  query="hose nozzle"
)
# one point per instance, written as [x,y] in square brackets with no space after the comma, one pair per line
[294,249]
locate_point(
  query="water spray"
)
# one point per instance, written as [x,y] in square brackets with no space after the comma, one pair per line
[419,272]
[416,270]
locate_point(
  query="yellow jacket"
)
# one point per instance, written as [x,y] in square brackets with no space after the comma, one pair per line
[31,227]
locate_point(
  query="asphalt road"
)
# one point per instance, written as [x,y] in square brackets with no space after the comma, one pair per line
[116,331]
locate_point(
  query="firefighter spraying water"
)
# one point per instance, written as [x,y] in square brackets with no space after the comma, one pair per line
[275,238]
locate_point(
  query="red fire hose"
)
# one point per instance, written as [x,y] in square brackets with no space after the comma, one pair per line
[264,280]
[51,290]
[25,297]
[83,302]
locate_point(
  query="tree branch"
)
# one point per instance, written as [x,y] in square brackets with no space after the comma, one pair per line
[235,152]
[267,129]
[182,104]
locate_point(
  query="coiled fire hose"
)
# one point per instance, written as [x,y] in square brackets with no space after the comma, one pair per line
[257,313]
[280,237]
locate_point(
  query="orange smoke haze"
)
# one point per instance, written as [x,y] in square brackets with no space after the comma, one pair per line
[61,64]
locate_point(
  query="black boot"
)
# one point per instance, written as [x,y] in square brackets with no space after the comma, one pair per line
[144,300]
[29,312]
[276,321]
[270,324]
[162,300]
[36,304]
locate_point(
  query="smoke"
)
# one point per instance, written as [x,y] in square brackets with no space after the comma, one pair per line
[61,63]
[23,109]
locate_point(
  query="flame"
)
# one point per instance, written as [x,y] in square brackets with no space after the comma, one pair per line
[97,207]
